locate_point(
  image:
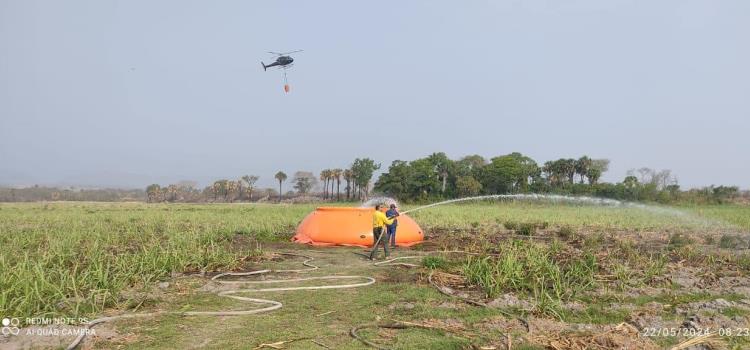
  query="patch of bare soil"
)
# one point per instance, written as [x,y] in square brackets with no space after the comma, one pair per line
[503,324]
[397,275]
[456,285]
[509,300]
[450,305]
[648,316]
[401,306]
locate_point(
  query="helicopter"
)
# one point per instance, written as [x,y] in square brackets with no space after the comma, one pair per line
[282,61]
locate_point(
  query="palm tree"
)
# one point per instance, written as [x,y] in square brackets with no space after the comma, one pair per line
[324,175]
[329,179]
[569,167]
[348,179]
[582,167]
[336,173]
[281,177]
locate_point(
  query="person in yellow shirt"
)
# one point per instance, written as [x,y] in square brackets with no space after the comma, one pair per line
[379,221]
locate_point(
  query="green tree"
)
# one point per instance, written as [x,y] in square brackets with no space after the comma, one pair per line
[469,166]
[508,173]
[395,182]
[467,186]
[424,182]
[443,167]
[529,171]
[500,175]
[471,163]
[362,171]
[280,177]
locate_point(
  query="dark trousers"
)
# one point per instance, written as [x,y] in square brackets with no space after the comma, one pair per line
[392,234]
[376,232]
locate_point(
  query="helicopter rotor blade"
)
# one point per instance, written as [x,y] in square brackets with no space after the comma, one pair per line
[284,53]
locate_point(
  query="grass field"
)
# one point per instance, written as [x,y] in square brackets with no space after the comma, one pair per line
[576,265]
[63,259]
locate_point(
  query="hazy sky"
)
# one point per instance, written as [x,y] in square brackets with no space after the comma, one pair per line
[132,92]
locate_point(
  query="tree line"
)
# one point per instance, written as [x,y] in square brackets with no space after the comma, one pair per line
[438,177]
[431,178]
[356,180]
[42,193]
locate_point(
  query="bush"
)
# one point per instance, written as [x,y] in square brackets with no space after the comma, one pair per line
[511,225]
[743,261]
[526,229]
[530,269]
[732,242]
[434,262]
[594,241]
[679,240]
[566,232]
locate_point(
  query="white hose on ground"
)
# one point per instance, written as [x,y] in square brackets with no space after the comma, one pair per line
[273,305]
[390,261]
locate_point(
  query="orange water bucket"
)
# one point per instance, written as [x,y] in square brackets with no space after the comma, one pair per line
[351,226]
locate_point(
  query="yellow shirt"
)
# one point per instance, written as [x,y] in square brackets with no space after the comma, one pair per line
[379,219]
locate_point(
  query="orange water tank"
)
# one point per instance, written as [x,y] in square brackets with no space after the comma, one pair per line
[352,227]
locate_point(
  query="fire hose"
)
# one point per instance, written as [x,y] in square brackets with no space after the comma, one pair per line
[271,304]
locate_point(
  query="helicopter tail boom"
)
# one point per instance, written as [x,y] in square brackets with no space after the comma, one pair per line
[266,66]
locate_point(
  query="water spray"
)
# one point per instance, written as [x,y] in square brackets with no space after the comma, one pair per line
[537,197]
[556,198]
